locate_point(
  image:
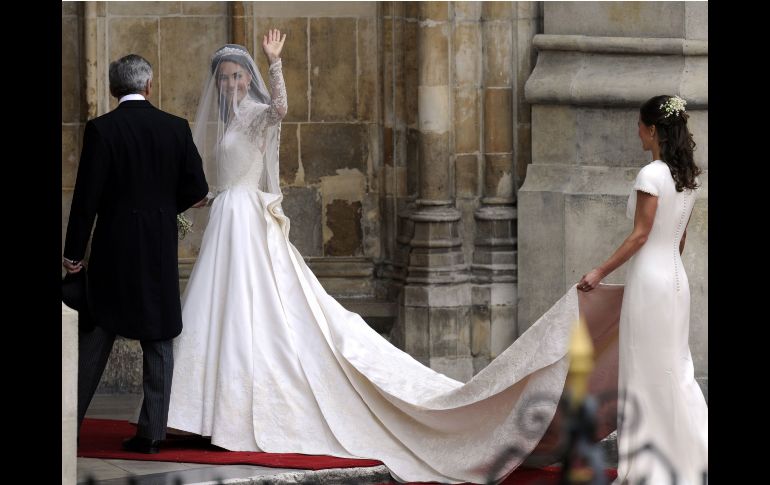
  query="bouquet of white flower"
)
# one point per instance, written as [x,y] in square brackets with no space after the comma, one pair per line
[183,225]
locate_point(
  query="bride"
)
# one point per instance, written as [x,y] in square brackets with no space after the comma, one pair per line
[268,361]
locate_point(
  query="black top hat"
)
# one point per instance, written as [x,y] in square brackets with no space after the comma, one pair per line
[74,294]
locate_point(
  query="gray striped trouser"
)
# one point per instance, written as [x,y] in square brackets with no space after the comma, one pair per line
[158,366]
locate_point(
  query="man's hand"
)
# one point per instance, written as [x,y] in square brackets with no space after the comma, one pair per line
[72,266]
[201,203]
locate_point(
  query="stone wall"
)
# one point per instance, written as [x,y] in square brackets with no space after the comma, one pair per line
[73,110]
[330,150]
[597,63]
[446,165]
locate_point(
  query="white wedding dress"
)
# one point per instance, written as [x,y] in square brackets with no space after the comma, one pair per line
[663,406]
[268,361]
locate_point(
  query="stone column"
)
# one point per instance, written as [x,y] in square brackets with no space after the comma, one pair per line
[468,113]
[597,63]
[394,34]
[402,147]
[89,43]
[96,95]
[69,394]
[238,23]
[494,256]
[526,24]
[436,297]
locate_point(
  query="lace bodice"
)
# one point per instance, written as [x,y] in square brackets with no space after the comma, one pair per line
[242,147]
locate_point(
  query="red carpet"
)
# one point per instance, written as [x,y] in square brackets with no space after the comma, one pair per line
[102,438]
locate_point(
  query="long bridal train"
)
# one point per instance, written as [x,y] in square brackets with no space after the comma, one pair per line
[287,369]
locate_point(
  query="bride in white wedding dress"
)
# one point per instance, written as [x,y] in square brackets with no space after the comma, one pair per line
[268,361]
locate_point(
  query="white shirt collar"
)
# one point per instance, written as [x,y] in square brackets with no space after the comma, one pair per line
[131,97]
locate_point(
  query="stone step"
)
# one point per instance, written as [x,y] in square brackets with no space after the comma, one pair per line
[93,471]
[367,307]
[379,314]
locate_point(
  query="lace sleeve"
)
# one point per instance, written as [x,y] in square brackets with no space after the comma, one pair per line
[278,106]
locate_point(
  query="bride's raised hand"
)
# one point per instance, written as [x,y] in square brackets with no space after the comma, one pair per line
[272,44]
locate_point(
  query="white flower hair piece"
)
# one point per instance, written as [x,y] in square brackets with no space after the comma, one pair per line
[673,106]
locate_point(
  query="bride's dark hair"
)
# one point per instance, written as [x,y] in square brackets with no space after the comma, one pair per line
[674,138]
[230,52]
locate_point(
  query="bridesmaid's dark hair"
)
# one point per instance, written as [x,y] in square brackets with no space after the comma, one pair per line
[675,139]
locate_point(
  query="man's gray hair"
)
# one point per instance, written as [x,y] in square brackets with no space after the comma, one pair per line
[129,75]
